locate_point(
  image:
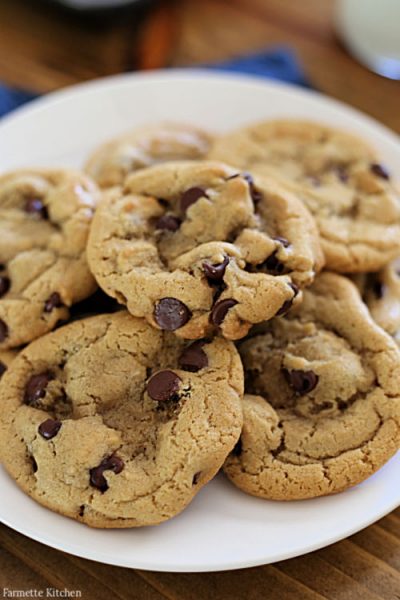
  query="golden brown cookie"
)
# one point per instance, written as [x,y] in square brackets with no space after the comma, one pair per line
[322,410]
[197,246]
[143,147]
[6,358]
[381,292]
[338,177]
[45,217]
[117,424]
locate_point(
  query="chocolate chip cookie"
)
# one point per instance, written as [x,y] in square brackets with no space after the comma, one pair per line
[45,217]
[381,292]
[338,177]
[198,247]
[143,147]
[6,358]
[322,410]
[117,424]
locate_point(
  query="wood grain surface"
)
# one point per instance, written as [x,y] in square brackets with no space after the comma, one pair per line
[42,49]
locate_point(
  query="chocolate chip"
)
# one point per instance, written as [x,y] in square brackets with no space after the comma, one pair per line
[53,301]
[35,206]
[81,510]
[273,265]
[171,313]
[49,428]
[168,223]
[110,463]
[3,368]
[36,387]
[196,478]
[285,243]
[163,385]
[379,171]
[220,309]
[191,196]
[3,331]
[4,285]
[163,203]
[303,382]
[193,358]
[287,305]
[237,450]
[215,273]
[255,194]
[2,266]
[342,173]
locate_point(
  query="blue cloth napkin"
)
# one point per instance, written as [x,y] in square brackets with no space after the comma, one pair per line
[277,63]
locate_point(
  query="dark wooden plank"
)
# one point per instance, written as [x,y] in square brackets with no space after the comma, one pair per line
[60,570]
[247,584]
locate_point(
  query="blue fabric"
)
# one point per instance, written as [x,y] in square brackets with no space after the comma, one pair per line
[278,63]
[11,98]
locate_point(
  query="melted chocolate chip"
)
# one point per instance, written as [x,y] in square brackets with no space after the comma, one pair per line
[3,368]
[36,387]
[171,313]
[379,171]
[193,358]
[255,194]
[285,243]
[168,223]
[220,310]
[287,305]
[302,382]
[49,428]
[53,301]
[110,463]
[196,478]
[191,196]
[4,285]
[215,273]
[81,510]
[163,385]
[273,265]
[35,206]
[3,330]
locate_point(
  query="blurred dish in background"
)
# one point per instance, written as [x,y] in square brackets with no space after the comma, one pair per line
[370,30]
[95,5]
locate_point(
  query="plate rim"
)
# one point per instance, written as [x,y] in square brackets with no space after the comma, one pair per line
[195,74]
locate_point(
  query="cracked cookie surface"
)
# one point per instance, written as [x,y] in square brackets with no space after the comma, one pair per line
[196,247]
[45,217]
[143,147]
[117,424]
[338,177]
[322,409]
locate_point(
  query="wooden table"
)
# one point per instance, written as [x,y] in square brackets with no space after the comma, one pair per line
[42,51]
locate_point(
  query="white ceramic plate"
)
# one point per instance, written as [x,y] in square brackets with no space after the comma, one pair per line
[223,528]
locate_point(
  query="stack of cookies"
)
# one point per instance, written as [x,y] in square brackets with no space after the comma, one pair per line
[194,303]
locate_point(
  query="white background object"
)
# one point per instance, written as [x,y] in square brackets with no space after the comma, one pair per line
[371,31]
[223,528]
